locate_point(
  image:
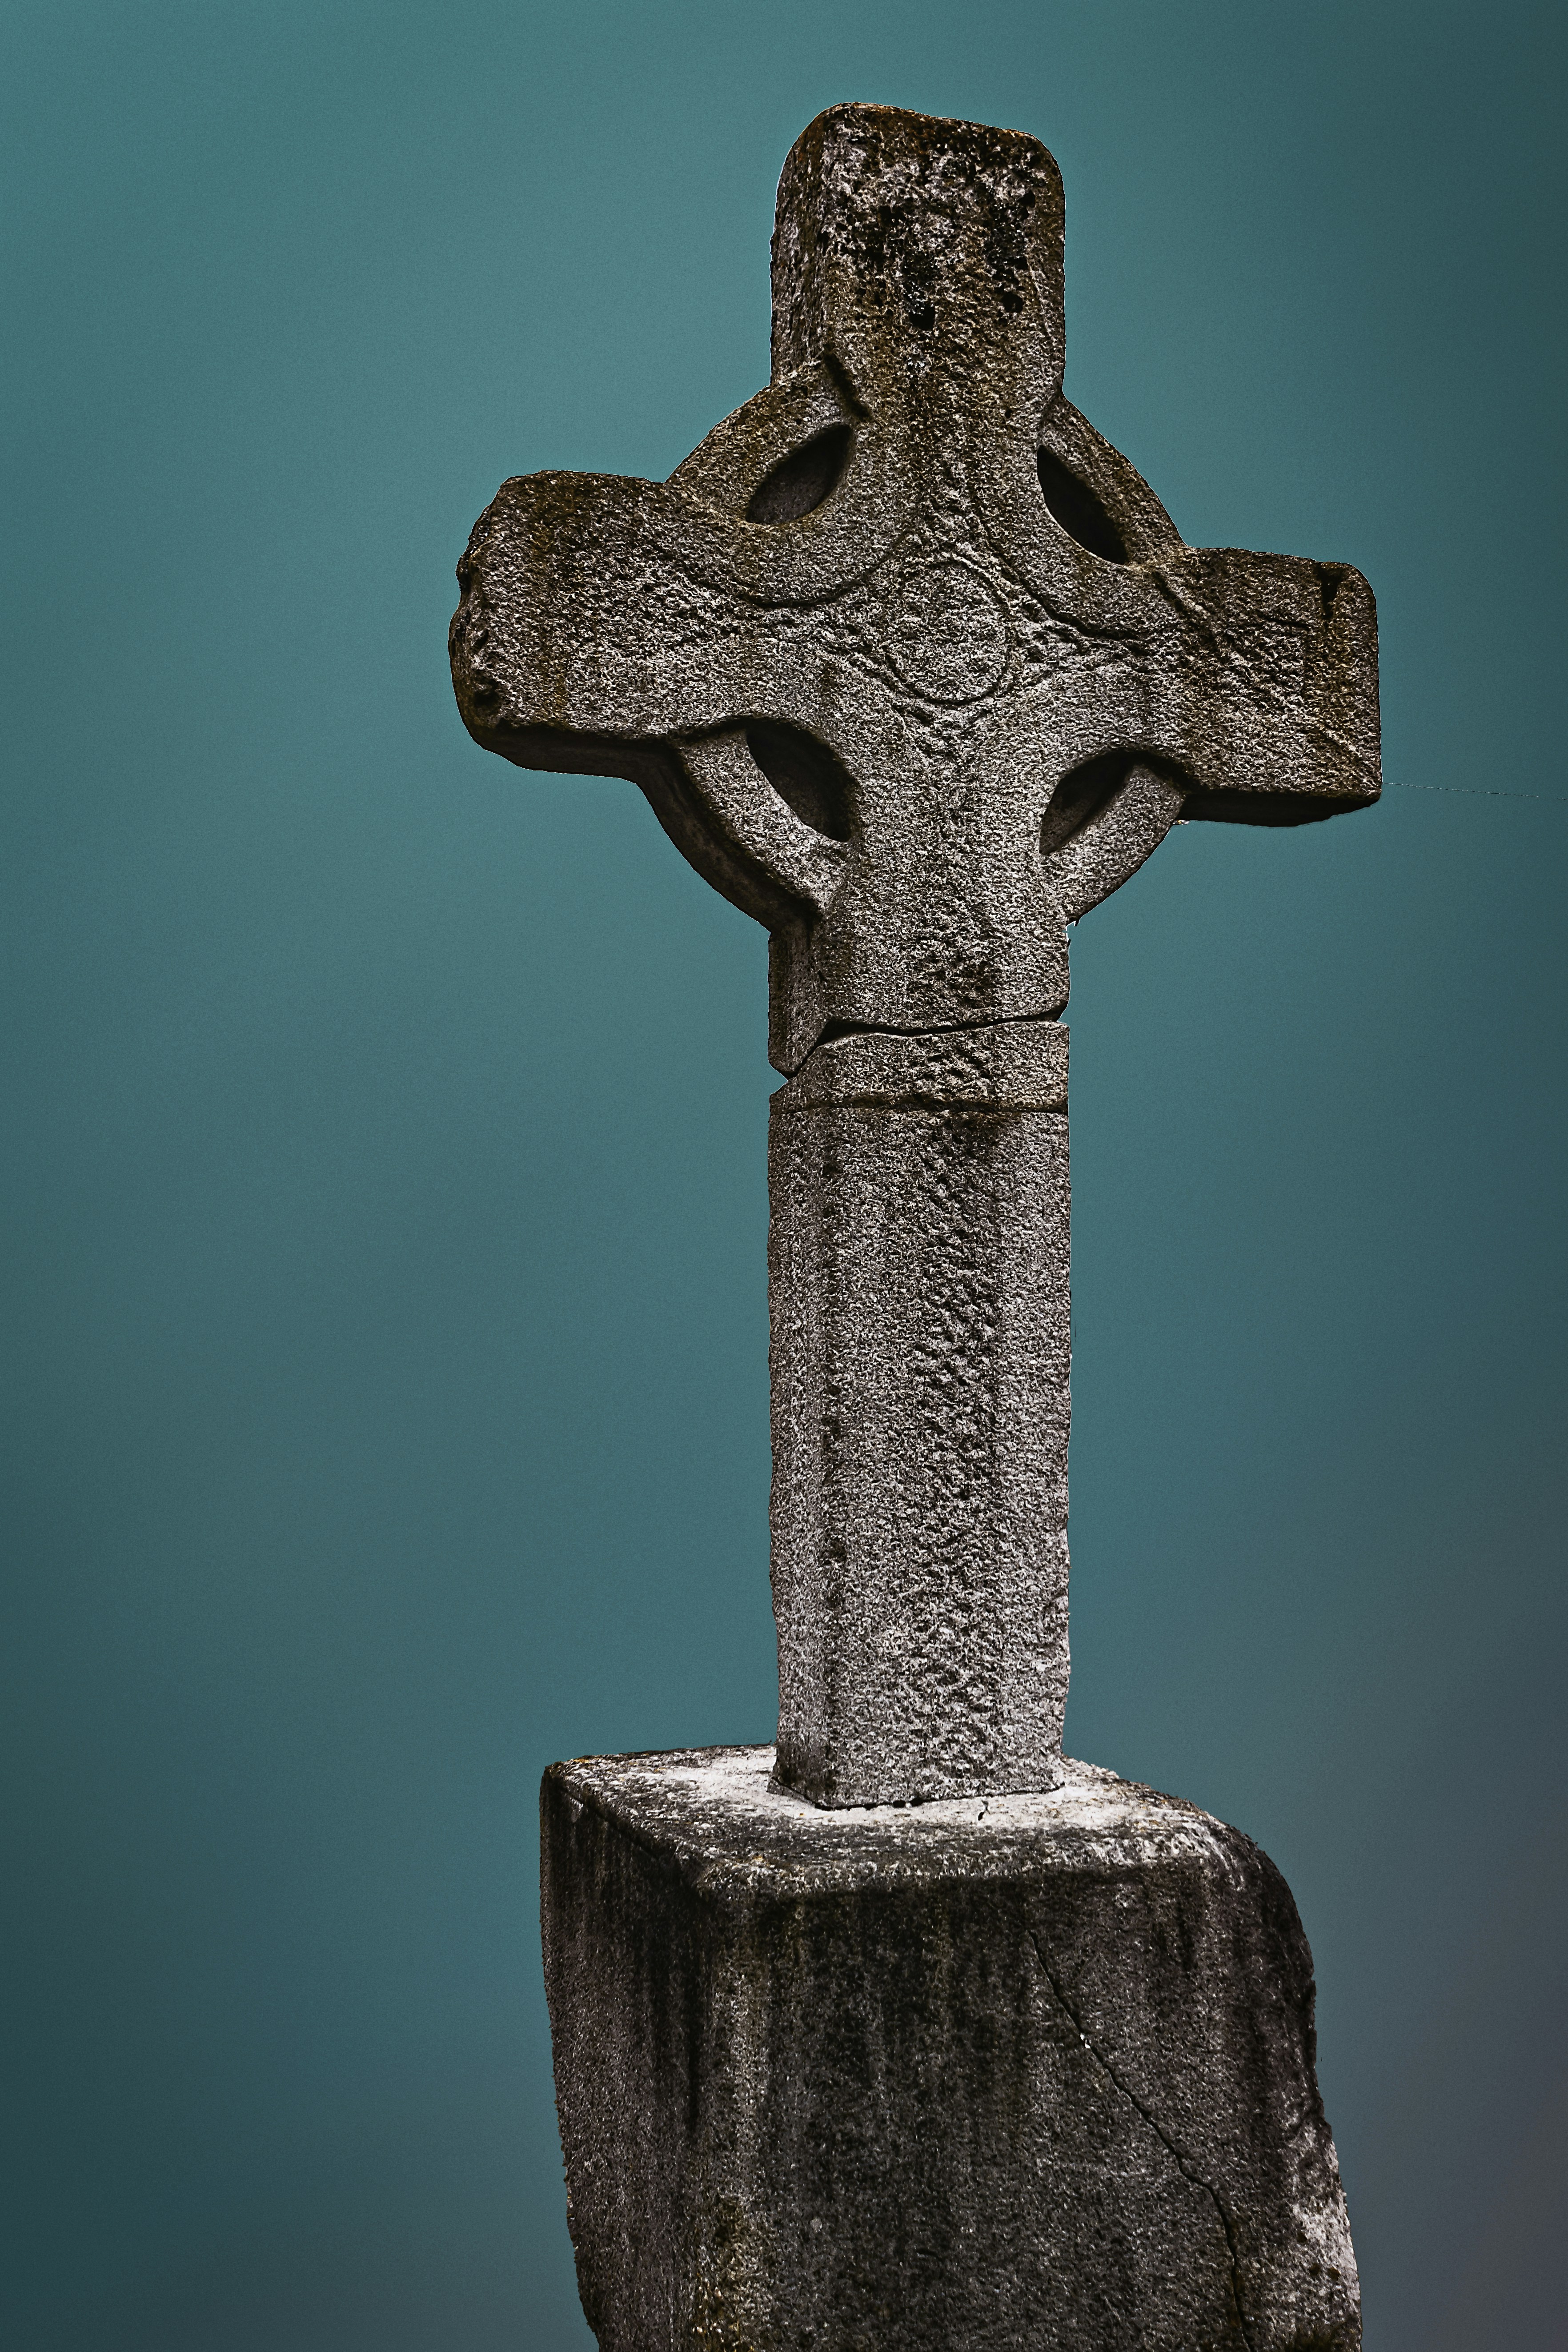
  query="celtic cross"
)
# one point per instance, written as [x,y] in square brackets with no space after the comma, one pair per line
[914,667]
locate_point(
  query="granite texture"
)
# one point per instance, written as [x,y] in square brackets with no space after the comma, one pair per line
[978,2076]
[915,669]
[918,1279]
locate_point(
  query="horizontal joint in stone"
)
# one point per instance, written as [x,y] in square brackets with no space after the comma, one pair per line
[1003,1066]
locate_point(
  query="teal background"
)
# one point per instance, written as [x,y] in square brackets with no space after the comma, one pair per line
[386,1402]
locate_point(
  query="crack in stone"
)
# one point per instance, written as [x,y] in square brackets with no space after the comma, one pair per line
[1161,2134]
[839,1029]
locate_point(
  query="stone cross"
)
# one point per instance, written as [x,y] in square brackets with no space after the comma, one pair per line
[914,667]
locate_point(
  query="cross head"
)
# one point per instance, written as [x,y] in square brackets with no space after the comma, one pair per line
[914,667]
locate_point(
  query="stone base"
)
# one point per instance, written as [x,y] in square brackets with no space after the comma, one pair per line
[974,2075]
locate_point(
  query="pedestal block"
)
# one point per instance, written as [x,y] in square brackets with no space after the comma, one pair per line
[975,2075]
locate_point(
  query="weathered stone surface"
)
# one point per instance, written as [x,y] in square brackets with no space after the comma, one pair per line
[977,2077]
[918,1261]
[916,668]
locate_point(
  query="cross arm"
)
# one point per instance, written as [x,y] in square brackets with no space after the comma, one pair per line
[579,619]
[1253,677]
[1266,679]
[605,629]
